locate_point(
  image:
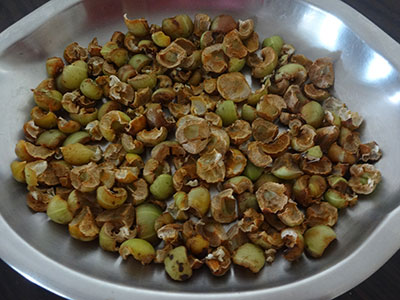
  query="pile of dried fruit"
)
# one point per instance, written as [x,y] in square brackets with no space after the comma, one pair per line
[175,95]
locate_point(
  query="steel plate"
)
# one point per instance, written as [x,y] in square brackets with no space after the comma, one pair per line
[367,65]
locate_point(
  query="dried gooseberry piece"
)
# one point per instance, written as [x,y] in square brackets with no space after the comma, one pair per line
[75,52]
[257,155]
[278,146]
[271,197]
[239,131]
[364,178]
[321,214]
[192,133]
[219,140]
[321,73]
[286,167]
[223,24]
[270,107]
[213,59]
[263,130]
[245,28]
[370,152]
[202,23]
[172,56]
[233,86]
[265,66]
[233,46]
[219,261]
[210,167]
[235,162]
[223,207]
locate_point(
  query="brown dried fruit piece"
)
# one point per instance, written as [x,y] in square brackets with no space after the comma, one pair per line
[251,221]
[321,214]
[309,189]
[239,131]
[286,167]
[219,140]
[270,107]
[83,227]
[294,98]
[271,197]
[213,59]
[192,133]
[235,162]
[321,73]
[290,215]
[172,56]
[210,167]
[219,261]
[233,46]
[75,52]
[85,178]
[321,167]
[364,178]
[370,152]
[233,86]
[223,207]
[294,242]
[257,155]
[29,152]
[263,130]
[305,139]
[314,93]
[278,146]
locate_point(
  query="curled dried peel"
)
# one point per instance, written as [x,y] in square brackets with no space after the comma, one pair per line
[370,152]
[29,152]
[219,140]
[251,221]
[257,155]
[350,119]
[192,133]
[321,214]
[266,65]
[290,215]
[83,227]
[210,167]
[278,146]
[113,122]
[239,131]
[172,56]
[233,45]
[270,107]
[85,178]
[235,162]
[233,86]
[213,59]
[305,139]
[321,167]
[122,93]
[364,178]
[294,242]
[271,197]
[263,130]
[223,207]
[321,73]
[219,261]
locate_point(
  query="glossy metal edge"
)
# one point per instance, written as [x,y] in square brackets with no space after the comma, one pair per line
[326,284]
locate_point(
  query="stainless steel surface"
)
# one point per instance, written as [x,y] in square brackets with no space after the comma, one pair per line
[367,65]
